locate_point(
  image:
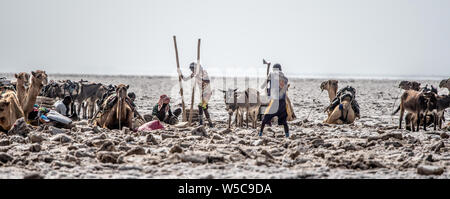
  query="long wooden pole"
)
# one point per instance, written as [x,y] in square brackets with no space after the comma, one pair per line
[267,75]
[193,87]
[180,79]
[198,67]
[247,98]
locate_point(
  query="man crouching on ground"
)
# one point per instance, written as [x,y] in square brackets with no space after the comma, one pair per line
[163,113]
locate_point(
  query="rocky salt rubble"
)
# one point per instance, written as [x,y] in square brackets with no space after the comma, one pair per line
[370,148]
[313,151]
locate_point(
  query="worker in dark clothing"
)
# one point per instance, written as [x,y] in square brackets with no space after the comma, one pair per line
[278,84]
[162,111]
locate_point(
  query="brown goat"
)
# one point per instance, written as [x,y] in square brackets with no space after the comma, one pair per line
[416,103]
[442,103]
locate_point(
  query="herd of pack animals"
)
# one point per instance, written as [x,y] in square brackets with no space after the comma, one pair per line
[423,105]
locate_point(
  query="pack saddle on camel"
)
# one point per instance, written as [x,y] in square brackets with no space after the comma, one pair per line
[55,89]
[116,111]
[344,109]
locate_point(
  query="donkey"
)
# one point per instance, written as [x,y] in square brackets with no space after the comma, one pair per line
[86,91]
[230,99]
[237,102]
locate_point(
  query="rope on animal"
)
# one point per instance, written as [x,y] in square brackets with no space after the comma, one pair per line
[314,101]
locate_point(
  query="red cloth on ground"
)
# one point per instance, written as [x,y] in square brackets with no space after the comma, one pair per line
[149,126]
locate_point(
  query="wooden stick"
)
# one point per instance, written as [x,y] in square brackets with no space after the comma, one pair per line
[193,87]
[247,98]
[179,80]
[267,75]
[203,87]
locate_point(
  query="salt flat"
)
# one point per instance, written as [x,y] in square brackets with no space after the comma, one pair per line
[370,148]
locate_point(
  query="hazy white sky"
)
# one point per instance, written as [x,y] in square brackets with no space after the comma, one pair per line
[369,37]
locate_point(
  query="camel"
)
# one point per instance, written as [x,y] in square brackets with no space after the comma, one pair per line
[417,103]
[445,84]
[38,80]
[10,110]
[344,109]
[344,113]
[23,80]
[331,86]
[117,113]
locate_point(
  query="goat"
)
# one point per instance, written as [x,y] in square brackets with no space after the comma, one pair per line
[416,103]
[442,103]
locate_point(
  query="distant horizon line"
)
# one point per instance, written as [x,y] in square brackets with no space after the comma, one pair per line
[294,75]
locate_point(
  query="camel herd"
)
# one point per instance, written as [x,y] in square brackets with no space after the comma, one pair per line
[110,107]
[18,102]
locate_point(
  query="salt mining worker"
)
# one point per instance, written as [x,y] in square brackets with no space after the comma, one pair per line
[63,106]
[132,96]
[278,85]
[162,111]
[203,82]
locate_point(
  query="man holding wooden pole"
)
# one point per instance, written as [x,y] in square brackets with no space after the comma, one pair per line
[203,82]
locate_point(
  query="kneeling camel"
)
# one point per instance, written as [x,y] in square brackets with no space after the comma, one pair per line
[119,114]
